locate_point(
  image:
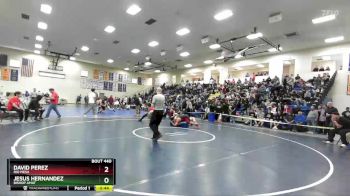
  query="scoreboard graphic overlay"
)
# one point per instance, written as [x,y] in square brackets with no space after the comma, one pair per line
[93,174]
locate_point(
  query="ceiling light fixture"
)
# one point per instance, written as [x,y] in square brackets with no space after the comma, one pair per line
[135,51]
[260,65]
[38,46]
[45,8]
[334,39]
[238,56]
[255,35]
[183,31]
[287,63]
[126,69]
[72,58]
[215,46]
[39,38]
[153,44]
[148,63]
[272,50]
[133,9]
[239,68]
[157,71]
[110,61]
[184,54]
[220,57]
[42,25]
[208,62]
[188,65]
[163,53]
[179,48]
[85,48]
[223,15]
[109,29]
[326,58]
[37,51]
[324,19]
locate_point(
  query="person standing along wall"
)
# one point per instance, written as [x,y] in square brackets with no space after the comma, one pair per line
[53,103]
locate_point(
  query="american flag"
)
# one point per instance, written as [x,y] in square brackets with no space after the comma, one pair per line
[27,67]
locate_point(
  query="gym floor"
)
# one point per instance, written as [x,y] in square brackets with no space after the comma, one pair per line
[215,159]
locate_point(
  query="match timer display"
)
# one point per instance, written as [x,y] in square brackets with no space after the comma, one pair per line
[97,174]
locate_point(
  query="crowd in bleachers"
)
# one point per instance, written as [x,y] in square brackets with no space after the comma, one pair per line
[320,69]
[292,101]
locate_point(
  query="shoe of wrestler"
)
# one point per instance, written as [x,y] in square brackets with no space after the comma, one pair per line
[156,137]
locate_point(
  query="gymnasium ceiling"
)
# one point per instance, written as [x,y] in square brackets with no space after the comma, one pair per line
[74,23]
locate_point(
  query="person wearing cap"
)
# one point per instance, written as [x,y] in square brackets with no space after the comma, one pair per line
[341,127]
[158,102]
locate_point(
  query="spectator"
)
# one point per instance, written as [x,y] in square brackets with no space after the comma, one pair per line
[34,105]
[288,119]
[137,106]
[14,104]
[346,113]
[300,119]
[92,98]
[329,111]
[34,94]
[86,100]
[78,100]
[312,118]
[322,116]
[110,103]
[342,127]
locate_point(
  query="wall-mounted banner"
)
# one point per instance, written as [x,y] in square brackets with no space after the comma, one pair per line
[14,75]
[5,74]
[95,74]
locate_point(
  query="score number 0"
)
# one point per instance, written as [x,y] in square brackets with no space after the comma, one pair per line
[106,179]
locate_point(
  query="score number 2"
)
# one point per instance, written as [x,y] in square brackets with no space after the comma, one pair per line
[106,179]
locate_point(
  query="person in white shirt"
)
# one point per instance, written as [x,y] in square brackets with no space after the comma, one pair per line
[158,102]
[34,94]
[92,103]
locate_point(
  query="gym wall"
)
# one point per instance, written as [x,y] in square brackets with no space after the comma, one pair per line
[68,88]
[302,66]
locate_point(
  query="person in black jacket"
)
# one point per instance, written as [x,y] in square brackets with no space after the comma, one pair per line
[35,105]
[341,127]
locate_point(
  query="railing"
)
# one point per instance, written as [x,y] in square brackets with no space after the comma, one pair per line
[327,89]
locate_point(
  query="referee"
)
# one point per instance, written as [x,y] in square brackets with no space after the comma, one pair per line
[158,102]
